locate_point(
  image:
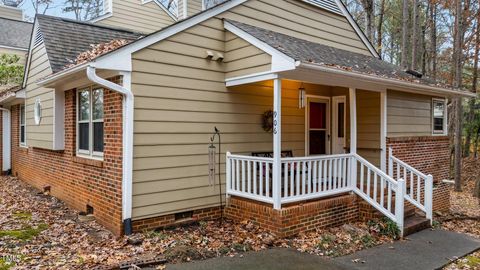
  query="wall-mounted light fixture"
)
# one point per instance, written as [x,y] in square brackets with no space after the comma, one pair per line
[301,96]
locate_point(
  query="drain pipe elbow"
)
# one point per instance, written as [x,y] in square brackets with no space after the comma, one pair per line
[128,103]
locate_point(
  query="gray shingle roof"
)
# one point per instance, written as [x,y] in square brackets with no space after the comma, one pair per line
[314,53]
[15,33]
[65,39]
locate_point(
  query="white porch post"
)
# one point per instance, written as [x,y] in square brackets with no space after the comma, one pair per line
[383,131]
[353,136]
[277,143]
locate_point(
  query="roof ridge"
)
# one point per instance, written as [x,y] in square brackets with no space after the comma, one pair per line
[15,20]
[88,24]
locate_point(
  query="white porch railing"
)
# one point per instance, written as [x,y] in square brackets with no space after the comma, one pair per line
[306,178]
[417,184]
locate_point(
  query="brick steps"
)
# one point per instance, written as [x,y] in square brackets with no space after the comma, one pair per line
[415,224]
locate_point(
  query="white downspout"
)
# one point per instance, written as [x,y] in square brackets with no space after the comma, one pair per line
[6,140]
[127,140]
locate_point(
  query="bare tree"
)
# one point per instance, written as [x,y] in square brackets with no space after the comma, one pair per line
[433,38]
[41,6]
[415,34]
[368,7]
[457,67]
[381,15]
[405,17]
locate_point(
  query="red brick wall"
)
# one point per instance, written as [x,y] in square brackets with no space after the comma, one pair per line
[75,180]
[169,220]
[292,220]
[429,154]
[1,142]
[441,197]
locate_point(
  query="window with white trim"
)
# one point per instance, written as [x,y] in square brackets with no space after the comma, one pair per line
[439,116]
[90,122]
[22,131]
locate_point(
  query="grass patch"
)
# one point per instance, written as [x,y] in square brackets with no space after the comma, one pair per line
[4,265]
[22,215]
[472,261]
[24,234]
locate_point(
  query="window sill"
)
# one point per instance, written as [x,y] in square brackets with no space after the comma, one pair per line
[88,161]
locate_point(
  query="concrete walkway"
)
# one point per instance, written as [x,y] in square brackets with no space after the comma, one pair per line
[424,250]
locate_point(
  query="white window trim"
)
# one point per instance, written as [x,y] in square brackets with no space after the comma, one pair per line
[90,154]
[22,144]
[444,132]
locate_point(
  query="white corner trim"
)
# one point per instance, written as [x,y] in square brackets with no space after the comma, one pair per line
[127,121]
[252,78]
[185,8]
[280,61]
[357,29]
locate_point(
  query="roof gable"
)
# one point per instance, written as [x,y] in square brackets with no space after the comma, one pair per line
[65,39]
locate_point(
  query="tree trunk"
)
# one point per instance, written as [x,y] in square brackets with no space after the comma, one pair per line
[471,103]
[475,151]
[381,15]
[405,17]
[369,18]
[433,39]
[415,35]
[457,62]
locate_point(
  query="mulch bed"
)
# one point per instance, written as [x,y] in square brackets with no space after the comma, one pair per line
[38,231]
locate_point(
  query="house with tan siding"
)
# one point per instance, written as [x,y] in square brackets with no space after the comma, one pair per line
[280,112]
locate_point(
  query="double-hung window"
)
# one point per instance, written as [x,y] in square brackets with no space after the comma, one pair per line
[439,116]
[90,122]
[22,135]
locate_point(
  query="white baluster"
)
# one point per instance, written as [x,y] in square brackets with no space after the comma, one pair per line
[429,197]
[399,204]
[249,177]
[261,176]
[243,175]
[229,174]
[369,173]
[255,172]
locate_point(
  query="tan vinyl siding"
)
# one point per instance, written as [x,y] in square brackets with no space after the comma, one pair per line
[11,13]
[22,54]
[408,114]
[242,58]
[299,20]
[42,135]
[138,17]
[368,125]
[194,7]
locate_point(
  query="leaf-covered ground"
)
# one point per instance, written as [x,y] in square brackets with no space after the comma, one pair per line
[38,231]
[464,213]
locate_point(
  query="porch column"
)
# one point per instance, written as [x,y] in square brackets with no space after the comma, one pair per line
[353,137]
[353,120]
[277,143]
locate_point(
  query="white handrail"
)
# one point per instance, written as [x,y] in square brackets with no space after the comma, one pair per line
[313,177]
[415,181]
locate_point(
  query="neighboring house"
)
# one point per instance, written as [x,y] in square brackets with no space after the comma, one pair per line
[11,12]
[126,135]
[15,37]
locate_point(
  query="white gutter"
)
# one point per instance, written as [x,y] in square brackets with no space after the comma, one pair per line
[385,80]
[6,149]
[127,139]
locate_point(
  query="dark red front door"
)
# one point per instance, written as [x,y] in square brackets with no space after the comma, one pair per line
[317,128]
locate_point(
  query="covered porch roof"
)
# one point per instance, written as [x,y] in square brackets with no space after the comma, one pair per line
[299,59]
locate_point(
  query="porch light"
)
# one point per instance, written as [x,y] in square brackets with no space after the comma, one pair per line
[301,96]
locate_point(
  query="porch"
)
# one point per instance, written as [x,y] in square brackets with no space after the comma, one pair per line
[331,164]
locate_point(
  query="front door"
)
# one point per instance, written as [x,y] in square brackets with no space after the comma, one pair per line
[338,125]
[318,126]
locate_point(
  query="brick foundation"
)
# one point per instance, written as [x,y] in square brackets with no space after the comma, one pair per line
[291,220]
[169,220]
[441,197]
[75,180]
[428,154]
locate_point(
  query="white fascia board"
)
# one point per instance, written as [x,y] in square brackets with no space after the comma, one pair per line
[14,48]
[390,83]
[280,61]
[30,49]
[257,77]
[169,31]
[357,28]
